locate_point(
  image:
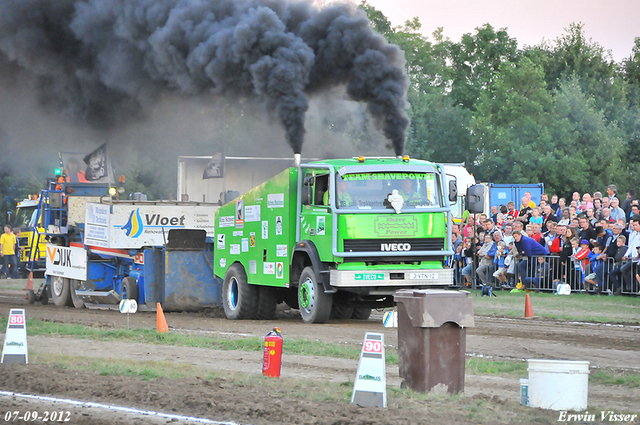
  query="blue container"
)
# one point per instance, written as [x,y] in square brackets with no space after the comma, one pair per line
[500,194]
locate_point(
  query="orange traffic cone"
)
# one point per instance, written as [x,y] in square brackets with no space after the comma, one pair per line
[29,282]
[528,309]
[161,321]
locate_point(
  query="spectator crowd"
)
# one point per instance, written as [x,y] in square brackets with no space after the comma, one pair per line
[591,242]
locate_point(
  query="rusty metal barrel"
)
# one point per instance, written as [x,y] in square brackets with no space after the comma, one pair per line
[432,338]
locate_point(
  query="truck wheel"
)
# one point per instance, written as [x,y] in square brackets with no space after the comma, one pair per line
[315,305]
[77,301]
[267,302]
[340,312]
[31,296]
[361,313]
[60,291]
[129,289]
[239,299]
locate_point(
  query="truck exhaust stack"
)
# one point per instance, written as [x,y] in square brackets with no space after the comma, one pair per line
[296,159]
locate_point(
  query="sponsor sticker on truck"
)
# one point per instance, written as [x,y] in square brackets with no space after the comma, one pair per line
[227,221]
[394,225]
[134,226]
[252,213]
[69,262]
[369,276]
[275,200]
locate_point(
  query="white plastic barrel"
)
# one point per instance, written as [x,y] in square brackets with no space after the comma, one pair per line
[558,384]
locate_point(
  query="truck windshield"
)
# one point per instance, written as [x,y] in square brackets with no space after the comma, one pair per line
[380,190]
[25,216]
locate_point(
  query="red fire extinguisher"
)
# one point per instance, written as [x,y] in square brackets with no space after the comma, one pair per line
[272,360]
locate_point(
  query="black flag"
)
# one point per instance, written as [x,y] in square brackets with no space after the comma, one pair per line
[215,167]
[97,164]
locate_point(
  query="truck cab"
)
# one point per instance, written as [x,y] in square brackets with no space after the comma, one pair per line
[376,225]
[25,218]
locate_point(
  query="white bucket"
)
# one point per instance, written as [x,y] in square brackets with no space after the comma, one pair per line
[558,384]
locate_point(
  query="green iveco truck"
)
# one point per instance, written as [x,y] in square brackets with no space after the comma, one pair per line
[335,238]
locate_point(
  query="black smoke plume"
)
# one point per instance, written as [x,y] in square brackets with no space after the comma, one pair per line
[104,61]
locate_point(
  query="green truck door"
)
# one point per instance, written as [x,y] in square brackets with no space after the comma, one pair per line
[315,217]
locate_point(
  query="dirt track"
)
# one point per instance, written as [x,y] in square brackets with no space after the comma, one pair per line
[603,345]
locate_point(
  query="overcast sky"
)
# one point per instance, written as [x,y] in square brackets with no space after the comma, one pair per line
[611,23]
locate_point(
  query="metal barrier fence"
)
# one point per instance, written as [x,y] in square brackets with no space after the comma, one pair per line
[544,273]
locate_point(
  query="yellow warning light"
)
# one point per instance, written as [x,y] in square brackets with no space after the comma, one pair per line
[405,158]
[361,158]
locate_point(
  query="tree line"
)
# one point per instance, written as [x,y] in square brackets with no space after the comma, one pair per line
[563,113]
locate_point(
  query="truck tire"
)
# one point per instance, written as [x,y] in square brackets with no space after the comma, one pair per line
[129,289]
[340,312]
[267,302]
[60,291]
[31,296]
[239,299]
[361,313]
[76,300]
[315,304]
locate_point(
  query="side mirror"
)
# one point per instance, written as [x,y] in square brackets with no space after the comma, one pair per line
[309,180]
[475,199]
[453,191]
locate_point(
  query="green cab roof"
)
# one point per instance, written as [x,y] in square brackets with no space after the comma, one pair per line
[378,165]
[337,163]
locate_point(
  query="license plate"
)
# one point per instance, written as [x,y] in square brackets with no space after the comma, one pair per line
[428,276]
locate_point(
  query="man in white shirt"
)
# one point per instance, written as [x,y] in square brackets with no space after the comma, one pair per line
[508,237]
[630,268]
[617,213]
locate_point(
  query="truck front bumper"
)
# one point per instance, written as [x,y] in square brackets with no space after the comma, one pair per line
[390,280]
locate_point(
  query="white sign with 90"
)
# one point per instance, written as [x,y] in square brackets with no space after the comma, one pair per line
[372,346]
[370,388]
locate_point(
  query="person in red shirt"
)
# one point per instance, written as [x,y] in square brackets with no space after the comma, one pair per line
[580,259]
[511,209]
[536,235]
[556,245]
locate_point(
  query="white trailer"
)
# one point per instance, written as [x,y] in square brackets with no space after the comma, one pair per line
[464,181]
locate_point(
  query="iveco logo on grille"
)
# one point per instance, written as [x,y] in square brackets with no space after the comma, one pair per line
[395,247]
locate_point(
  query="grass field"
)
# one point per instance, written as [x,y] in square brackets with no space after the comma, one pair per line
[15,284]
[575,307]
[297,346]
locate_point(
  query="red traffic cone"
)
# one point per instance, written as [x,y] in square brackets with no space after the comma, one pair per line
[161,325]
[29,282]
[528,309]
